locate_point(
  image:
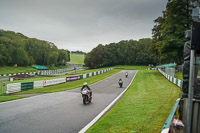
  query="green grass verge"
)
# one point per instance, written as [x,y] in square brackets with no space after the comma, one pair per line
[77,59]
[143,108]
[9,98]
[179,75]
[131,67]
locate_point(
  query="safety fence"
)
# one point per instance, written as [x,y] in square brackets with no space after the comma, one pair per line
[13,74]
[179,83]
[50,72]
[17,87]
[172,79]
[166,126]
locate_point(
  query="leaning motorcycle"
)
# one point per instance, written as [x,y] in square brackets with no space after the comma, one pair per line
[86,96]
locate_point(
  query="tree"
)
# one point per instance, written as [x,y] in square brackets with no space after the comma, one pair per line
[168,33]
[94,58]
[21,57]
[15,48]
[4,56]
[125,52]
[62,56]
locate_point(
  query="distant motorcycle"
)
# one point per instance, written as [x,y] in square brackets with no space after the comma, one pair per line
[126,74]
[86,95]
[120,83]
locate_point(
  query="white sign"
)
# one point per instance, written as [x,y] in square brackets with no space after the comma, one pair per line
[54,81]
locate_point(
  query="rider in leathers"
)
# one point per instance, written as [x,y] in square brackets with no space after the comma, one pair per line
[85,85]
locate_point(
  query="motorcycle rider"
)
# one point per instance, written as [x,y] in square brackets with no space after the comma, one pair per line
[120,82]
[126,74]
[85,85]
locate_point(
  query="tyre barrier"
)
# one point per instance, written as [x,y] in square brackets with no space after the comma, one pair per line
[13,74]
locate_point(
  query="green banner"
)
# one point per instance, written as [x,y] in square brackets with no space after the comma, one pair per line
[81,76]
[26,86]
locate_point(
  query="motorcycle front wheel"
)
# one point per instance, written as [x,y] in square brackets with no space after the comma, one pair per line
[85,99]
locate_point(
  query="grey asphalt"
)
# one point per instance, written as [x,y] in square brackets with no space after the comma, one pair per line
[4,79]
[61,112]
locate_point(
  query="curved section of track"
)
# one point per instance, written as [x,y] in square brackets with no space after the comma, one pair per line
[61,112]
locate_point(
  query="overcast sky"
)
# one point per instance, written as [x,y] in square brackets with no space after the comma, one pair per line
[81,24]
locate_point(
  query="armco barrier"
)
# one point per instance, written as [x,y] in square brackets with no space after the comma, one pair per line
[17,87]
[166,126]
[179,83]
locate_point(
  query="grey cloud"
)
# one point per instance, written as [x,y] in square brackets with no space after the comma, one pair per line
[81,24]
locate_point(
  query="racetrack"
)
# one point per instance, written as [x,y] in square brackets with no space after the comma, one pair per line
[61,112]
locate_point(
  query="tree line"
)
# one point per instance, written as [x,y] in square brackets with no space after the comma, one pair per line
[78,52]
[125,52]
[15,48]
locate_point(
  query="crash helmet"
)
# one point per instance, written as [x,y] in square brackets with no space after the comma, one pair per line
[85,83]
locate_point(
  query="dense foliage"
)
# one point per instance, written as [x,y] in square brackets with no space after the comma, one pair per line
[77,52]
[168,32]
[129,52]
[15,48]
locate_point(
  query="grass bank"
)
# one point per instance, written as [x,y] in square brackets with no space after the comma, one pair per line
[179,75]
[77,59]
[10,98]
[143,108]
[131,67]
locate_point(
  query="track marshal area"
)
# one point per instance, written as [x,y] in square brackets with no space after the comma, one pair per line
[60,112]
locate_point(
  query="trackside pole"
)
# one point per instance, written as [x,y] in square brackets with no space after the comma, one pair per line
[190,93]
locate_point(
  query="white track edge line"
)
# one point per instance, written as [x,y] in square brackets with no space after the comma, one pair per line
[106,109]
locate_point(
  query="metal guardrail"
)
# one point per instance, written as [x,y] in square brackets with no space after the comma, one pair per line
[166,126]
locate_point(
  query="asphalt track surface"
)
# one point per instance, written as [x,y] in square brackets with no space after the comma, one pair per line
[61,112]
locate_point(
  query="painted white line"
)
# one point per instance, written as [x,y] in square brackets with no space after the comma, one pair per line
[165,130]
[106,109]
